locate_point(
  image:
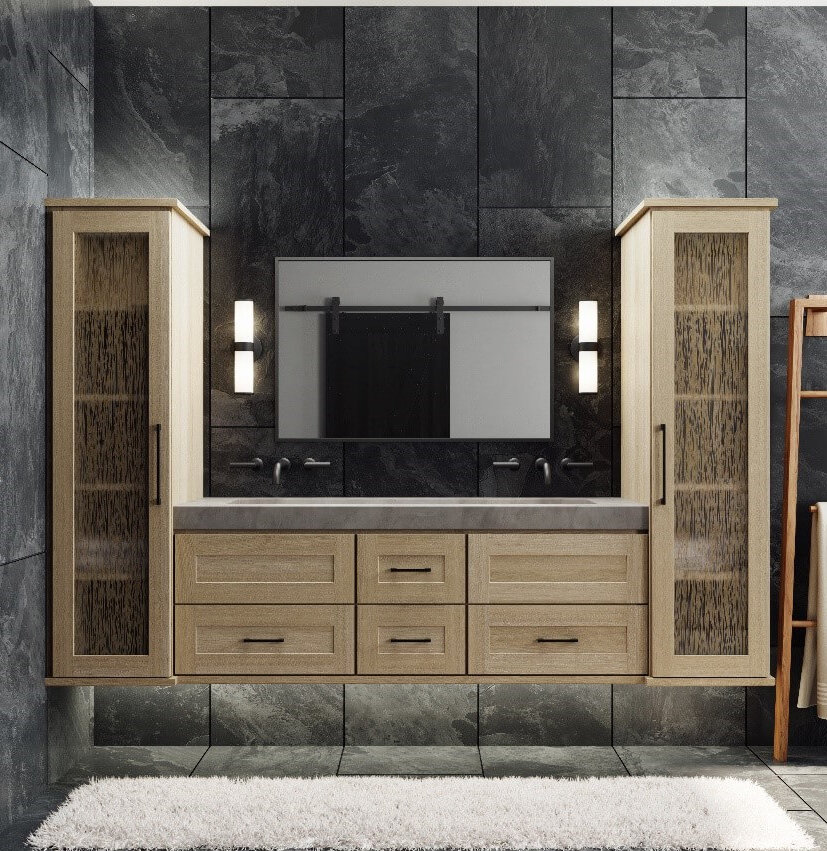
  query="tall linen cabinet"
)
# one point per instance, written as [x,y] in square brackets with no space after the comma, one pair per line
[126,426]
[695,428]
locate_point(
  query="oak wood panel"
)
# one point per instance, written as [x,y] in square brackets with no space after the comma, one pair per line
[557,568]
[411,568]
[557,639]
[172,204]
[713,204]
[285,639]
[261,567]
[415,639]
[583,679]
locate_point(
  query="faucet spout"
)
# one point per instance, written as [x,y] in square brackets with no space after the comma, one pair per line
[542,464]
[282,465]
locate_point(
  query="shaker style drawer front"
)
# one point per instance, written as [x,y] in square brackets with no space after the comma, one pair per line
[411,639]
[557,639]
[557,568]
[263,568]
[264,640]
[411,568]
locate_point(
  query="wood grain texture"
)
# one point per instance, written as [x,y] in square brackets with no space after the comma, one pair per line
[693,203]
[709,542]
[557,568]
[392,568]
[263,568]
[609,639]
[315,639]
[433,640]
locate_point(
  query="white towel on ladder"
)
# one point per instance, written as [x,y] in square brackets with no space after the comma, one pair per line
[813,689]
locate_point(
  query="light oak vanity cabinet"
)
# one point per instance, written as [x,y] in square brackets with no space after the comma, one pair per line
[695,428]
[126,426]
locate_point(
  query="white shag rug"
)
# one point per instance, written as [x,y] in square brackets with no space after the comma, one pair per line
[395,813]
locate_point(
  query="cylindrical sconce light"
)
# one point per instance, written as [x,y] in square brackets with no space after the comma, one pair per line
[584,347]
[246,347]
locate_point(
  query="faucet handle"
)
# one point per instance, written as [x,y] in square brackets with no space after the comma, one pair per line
[311,463]
[282,465]
[543,464]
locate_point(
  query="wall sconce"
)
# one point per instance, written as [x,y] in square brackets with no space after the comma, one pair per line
[247,348]
[584,347]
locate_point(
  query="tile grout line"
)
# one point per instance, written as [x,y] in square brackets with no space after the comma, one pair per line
[622,762]
[73,76]
[24,158]
[200,759]
[22,558]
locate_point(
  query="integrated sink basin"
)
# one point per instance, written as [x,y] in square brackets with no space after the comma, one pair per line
[412,513]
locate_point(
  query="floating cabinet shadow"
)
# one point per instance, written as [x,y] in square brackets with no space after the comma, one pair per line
[695,427]
[126,390]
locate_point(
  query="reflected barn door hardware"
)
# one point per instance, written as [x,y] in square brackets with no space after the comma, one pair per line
[439,309]
[814,309]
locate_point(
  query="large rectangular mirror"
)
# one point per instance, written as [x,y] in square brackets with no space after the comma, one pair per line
[409,348]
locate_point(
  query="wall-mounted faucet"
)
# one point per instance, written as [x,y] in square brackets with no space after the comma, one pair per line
[282,465]
[542,464]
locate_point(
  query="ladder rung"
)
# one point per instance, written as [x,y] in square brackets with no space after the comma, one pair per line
[804,624]
[813,394]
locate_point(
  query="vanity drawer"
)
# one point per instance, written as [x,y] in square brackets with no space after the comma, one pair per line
[259,567]
[558,568]
[411,639]
[557,639]
[264,640]
[403,568]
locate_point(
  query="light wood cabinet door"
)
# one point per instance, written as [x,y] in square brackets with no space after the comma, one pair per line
[411,568]
[709,523]
[557,640]
[557,568]
[263,640]
[260,567]
[411,640]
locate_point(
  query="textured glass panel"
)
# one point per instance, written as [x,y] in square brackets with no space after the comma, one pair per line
[111,437]
[711,442]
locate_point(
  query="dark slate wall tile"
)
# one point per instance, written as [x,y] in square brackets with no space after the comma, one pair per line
[679,52]
[277,714]
[277,52]
[812,462]
[22,693]
[806,728]
[23,43]
[404,714]
[676,147]
[162,715]
[517,714]
[152,103]
[678,715]
[69,714]
[545,107]
[70,165]
[244,444]
[580,240]
[70,37]
[411,469]
[787,145]
[411,140]
[276,192]
[22,358]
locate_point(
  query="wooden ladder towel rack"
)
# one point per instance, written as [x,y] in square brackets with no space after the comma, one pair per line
[814,309]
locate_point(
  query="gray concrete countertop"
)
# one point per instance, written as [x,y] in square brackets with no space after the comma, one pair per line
[608,514]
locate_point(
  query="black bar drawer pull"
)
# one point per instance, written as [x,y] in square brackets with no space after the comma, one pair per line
[410,570]
[662,429]
[157,463]
[262,640]
[557,640]
[410,640]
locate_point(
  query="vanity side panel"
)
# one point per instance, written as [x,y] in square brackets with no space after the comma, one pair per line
[635,360]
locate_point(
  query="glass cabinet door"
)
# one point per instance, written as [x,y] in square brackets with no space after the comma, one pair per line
[705,496]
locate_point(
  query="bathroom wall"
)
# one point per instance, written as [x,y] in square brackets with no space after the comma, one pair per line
[45,148]
[456,131]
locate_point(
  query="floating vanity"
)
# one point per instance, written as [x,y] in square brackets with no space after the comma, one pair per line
[383,589]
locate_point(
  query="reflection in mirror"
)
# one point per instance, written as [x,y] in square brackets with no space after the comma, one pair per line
[415,348]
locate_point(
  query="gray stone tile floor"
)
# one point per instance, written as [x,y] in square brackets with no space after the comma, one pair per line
[800,785]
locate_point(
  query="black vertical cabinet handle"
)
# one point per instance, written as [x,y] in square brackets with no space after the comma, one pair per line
[662,428]
[157,463]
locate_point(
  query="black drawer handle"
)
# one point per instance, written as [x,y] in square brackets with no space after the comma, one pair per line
[557,640]
[262,640]
[410,570]
[410,640]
